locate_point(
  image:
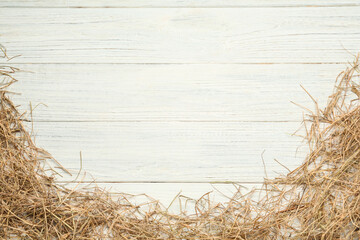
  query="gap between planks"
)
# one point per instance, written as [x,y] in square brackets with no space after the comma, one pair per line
[160,121]
[193,7]
[9,63]
[163,182]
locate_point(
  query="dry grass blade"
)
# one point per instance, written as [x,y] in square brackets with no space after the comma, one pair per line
[318,200]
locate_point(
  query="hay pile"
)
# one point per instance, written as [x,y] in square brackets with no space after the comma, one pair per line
[318,200]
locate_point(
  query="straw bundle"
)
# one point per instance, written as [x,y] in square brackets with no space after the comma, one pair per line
[318,200]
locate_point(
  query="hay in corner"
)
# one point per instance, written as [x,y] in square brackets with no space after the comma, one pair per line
[318,200]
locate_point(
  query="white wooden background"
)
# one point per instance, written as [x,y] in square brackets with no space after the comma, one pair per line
[163,96]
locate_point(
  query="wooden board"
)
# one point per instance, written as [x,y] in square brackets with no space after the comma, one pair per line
[181,35]
[188,93]
[176,3]
[172,151]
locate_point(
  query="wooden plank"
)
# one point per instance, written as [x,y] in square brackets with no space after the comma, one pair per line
[201,35]
[175,3]
[172,151]
[166,192]
[200,93]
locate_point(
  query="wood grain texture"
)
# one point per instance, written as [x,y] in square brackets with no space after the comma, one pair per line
[162,96]
[183,35]
[172,151]
[176,3]
[188,93]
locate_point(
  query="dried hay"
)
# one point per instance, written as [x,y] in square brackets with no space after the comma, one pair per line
[318,200]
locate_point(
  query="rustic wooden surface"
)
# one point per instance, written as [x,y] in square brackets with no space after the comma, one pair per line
[163,96]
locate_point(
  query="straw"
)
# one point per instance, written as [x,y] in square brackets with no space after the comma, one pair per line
[318,200]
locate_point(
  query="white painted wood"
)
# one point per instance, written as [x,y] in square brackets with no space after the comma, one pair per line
[151,93]
[172,151]
[176,3]
[202,107]
[181,35]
